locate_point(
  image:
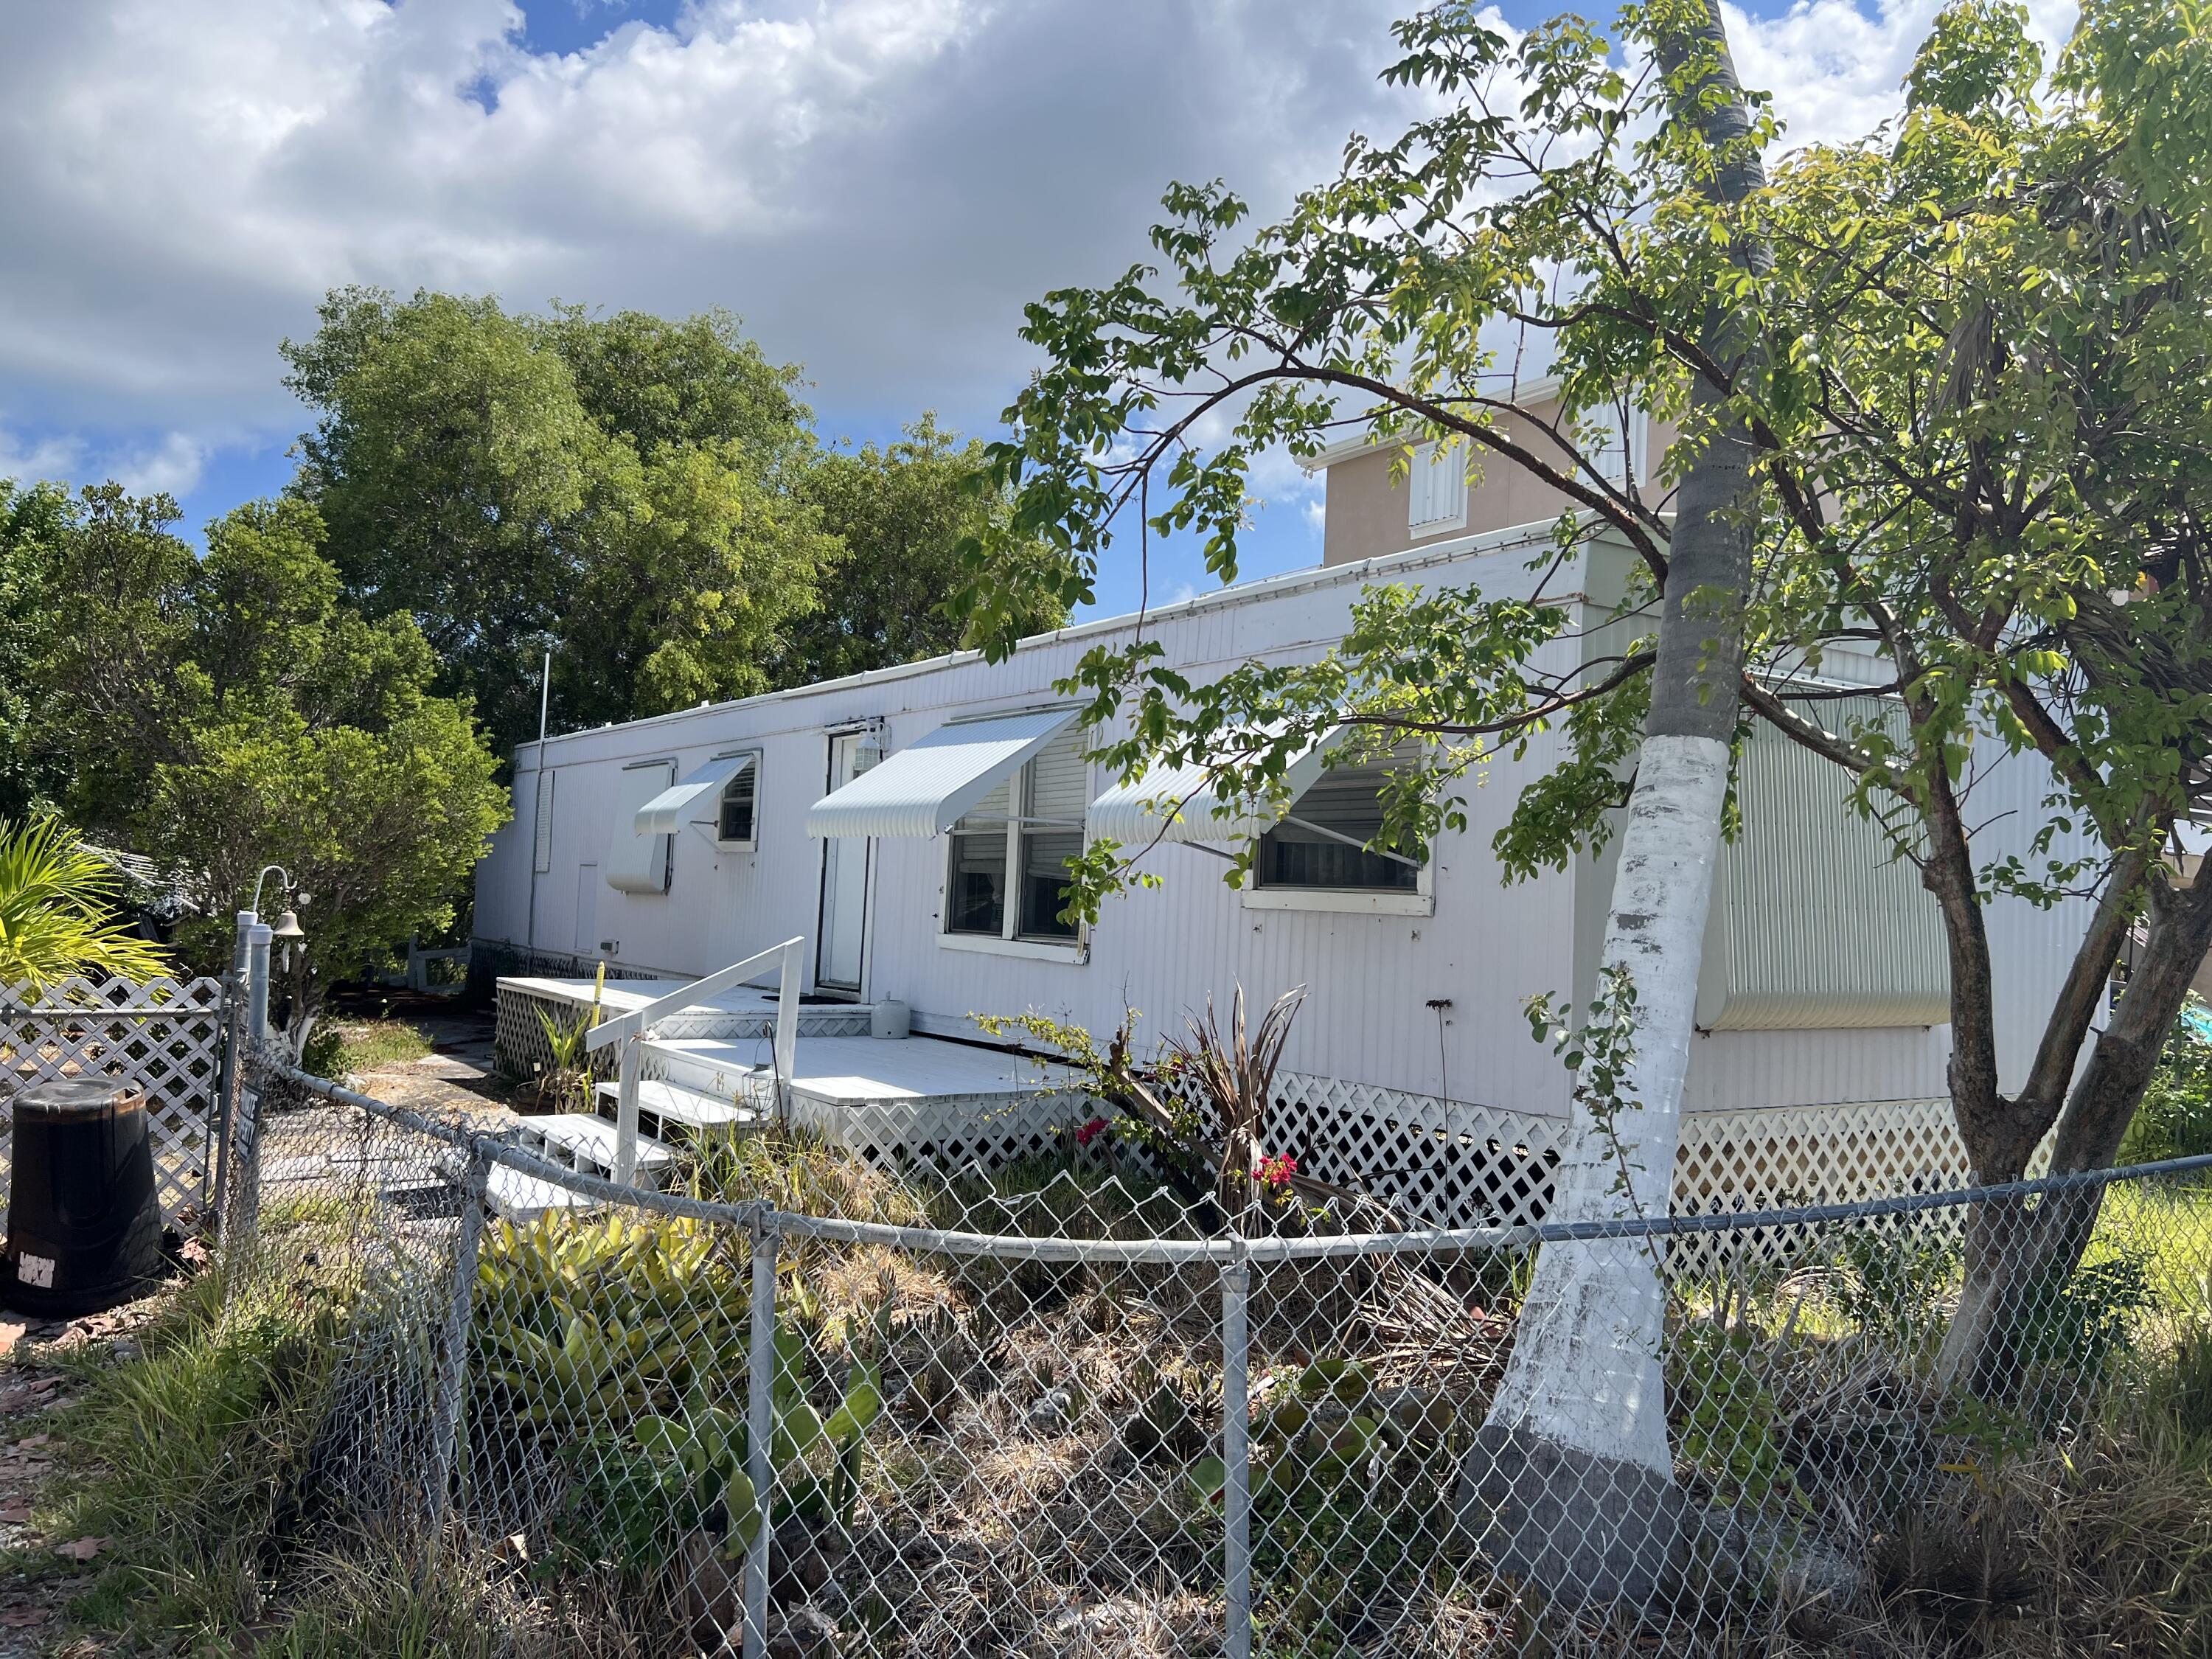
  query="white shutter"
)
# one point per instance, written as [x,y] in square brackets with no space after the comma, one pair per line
[1059,781]
[541,858]
[1435,487]
[1419,473]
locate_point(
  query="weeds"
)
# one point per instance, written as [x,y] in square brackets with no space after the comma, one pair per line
[185,1458]
[342,1047]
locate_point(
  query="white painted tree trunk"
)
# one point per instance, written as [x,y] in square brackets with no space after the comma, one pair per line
[1569,1483]
[1585,1367]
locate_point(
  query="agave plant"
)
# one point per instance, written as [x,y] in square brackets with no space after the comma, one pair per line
[57,900]
[567,1086]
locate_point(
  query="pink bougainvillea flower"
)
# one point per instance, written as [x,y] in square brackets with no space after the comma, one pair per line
[1091,1132]
[1277,1171]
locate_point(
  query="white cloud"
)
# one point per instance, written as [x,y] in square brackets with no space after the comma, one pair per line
[1837,70]
[168,463]
[877,185]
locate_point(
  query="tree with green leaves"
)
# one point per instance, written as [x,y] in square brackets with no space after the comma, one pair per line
[618,491]
[1940,393]
[903,511]
[222,712]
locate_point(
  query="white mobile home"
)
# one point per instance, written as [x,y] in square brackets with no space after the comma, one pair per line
[911,825]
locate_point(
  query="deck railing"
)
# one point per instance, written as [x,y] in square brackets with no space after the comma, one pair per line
[633,1028]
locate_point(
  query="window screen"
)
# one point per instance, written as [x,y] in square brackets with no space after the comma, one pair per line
[1346,800]
[738,795]
[975,890]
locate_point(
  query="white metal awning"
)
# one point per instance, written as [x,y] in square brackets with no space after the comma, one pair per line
[664,814]
[928,787]
[1177,804]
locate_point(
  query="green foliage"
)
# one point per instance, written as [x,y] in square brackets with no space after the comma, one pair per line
[625,1340]
[1352,1488]
[2175,1118]
[2076,1327]
[57,912]
[585,1321]
[1982,440]
[617,490]
[903,510]
[1891,1284]
[1727,1425]
[183,1458]
[339,1047]
[225,712]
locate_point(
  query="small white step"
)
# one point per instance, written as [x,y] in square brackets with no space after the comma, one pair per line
[713,1067]
[583,1141]
[520,1197]
[668,1107]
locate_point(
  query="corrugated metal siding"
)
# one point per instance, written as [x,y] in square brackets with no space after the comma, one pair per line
[1486,948]
[1820,925]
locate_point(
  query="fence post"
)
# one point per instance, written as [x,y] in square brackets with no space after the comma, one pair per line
[760,1426]
[786,1029]
[453,1374]
[1236,1458]
[217,1195]
[214,1195]
[258,935]
[245,1138]
[626,1076]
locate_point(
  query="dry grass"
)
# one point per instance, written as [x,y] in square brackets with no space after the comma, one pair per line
[1012,1507]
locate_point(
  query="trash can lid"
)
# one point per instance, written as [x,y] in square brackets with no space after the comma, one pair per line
[71,1098]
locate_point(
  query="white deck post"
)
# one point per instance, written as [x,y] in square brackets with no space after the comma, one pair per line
[786,1029]
[626,1112]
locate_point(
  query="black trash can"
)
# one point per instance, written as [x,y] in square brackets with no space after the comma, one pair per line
[84,1226]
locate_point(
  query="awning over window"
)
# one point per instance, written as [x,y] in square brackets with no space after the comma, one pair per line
[664,814]
[928,787]
[1177,803]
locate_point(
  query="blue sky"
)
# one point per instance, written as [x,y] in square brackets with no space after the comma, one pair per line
[876,186]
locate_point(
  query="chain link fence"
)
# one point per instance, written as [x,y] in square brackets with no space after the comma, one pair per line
[793,1405]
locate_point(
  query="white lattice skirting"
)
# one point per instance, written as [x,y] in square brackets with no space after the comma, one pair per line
[164,1037]
[1464,1166]
[946,1135]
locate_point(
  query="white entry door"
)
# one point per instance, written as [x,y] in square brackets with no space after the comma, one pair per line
[843,939]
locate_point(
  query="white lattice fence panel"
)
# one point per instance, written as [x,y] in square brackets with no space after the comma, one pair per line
[163,1038]
[1800,1155]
